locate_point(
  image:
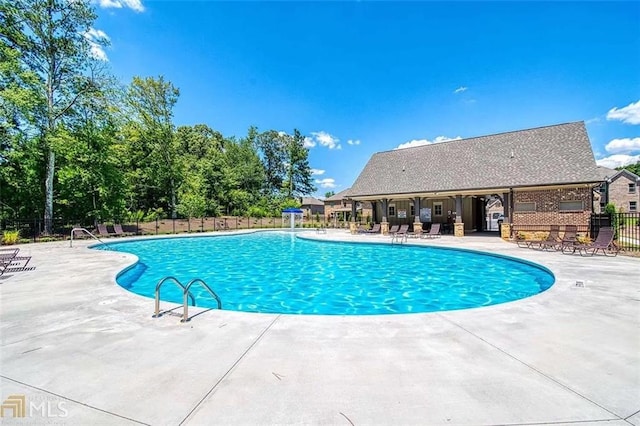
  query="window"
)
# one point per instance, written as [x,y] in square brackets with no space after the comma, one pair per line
[633,206]
[524,207]
[392,209]
[570,206]
[632,188]
[437,209]
[412,210]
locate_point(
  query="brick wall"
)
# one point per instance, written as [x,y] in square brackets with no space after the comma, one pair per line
[547,207]
[619,193]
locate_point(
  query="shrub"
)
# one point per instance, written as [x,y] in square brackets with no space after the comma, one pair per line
[10,237]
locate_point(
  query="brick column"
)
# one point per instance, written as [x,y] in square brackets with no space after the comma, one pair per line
[505,231]
[353,228]
[384,226]
[458,229]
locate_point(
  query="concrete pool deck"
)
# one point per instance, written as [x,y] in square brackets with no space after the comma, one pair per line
[74,341]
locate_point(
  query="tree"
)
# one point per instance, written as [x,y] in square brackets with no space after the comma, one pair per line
[49,37]
[329,194]
[633,168]
[90,175]
[271,146]
[21,165]
[154,147]
[192,200]
[298,180]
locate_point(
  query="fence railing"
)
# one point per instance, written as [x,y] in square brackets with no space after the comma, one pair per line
[625,225]
[34,229]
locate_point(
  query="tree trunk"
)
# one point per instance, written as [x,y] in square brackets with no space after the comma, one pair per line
[48,189]
[173,199]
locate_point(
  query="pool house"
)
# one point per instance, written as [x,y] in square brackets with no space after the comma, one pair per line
[543,176]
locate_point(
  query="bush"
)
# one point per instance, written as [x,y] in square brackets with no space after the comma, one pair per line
[10,237]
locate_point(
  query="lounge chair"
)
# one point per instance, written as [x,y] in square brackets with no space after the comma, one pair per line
[117,229]
[552,239]
[604,242]
[102,230]
[10,261]
[375,229]
[401,234]
[569,238]
[434,231]
[393,229]
[11,255]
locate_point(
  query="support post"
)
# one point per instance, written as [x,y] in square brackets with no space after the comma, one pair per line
[458,227]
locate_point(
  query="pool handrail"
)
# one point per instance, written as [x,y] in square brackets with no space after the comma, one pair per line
[185,315]
[85,230]
[185,292]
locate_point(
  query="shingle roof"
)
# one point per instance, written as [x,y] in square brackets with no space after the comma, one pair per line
[310,201]
[624,172]
[606,173]
[559,154]
[339,196]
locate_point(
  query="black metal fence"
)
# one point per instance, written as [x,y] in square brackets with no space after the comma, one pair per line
[625,225]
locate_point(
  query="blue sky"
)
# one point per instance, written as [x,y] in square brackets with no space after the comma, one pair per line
[364,77]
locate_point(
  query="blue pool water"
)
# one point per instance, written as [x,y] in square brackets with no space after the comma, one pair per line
[280,273]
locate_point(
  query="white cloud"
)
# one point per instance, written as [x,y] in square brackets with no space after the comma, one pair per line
[308,142]
[119,4]
[623,145]
[326,183]
[325,139]
[618,160]
[317,171]
[460,89]
[420,142]
[629,114]
[353,142]
[94,37]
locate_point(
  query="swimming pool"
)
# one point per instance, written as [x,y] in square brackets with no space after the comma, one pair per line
[277,272]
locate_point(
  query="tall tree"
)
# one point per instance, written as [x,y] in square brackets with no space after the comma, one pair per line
[271,146]
[21,166]
[50,37]
[151,133]
[298,181]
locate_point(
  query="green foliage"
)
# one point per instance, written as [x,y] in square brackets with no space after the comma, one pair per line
[633,168]
[52,57]
[329,194]
[256,211]
[136,216]
[75,143]
[290,203]
[192,200]
[10,237]
[153,214]
[610,208]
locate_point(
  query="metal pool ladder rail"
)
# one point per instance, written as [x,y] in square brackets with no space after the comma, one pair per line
[185,294]
[86,231]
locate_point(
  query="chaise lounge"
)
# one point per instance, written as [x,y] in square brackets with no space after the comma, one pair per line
[434,231]
[552,239]
[603,242]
